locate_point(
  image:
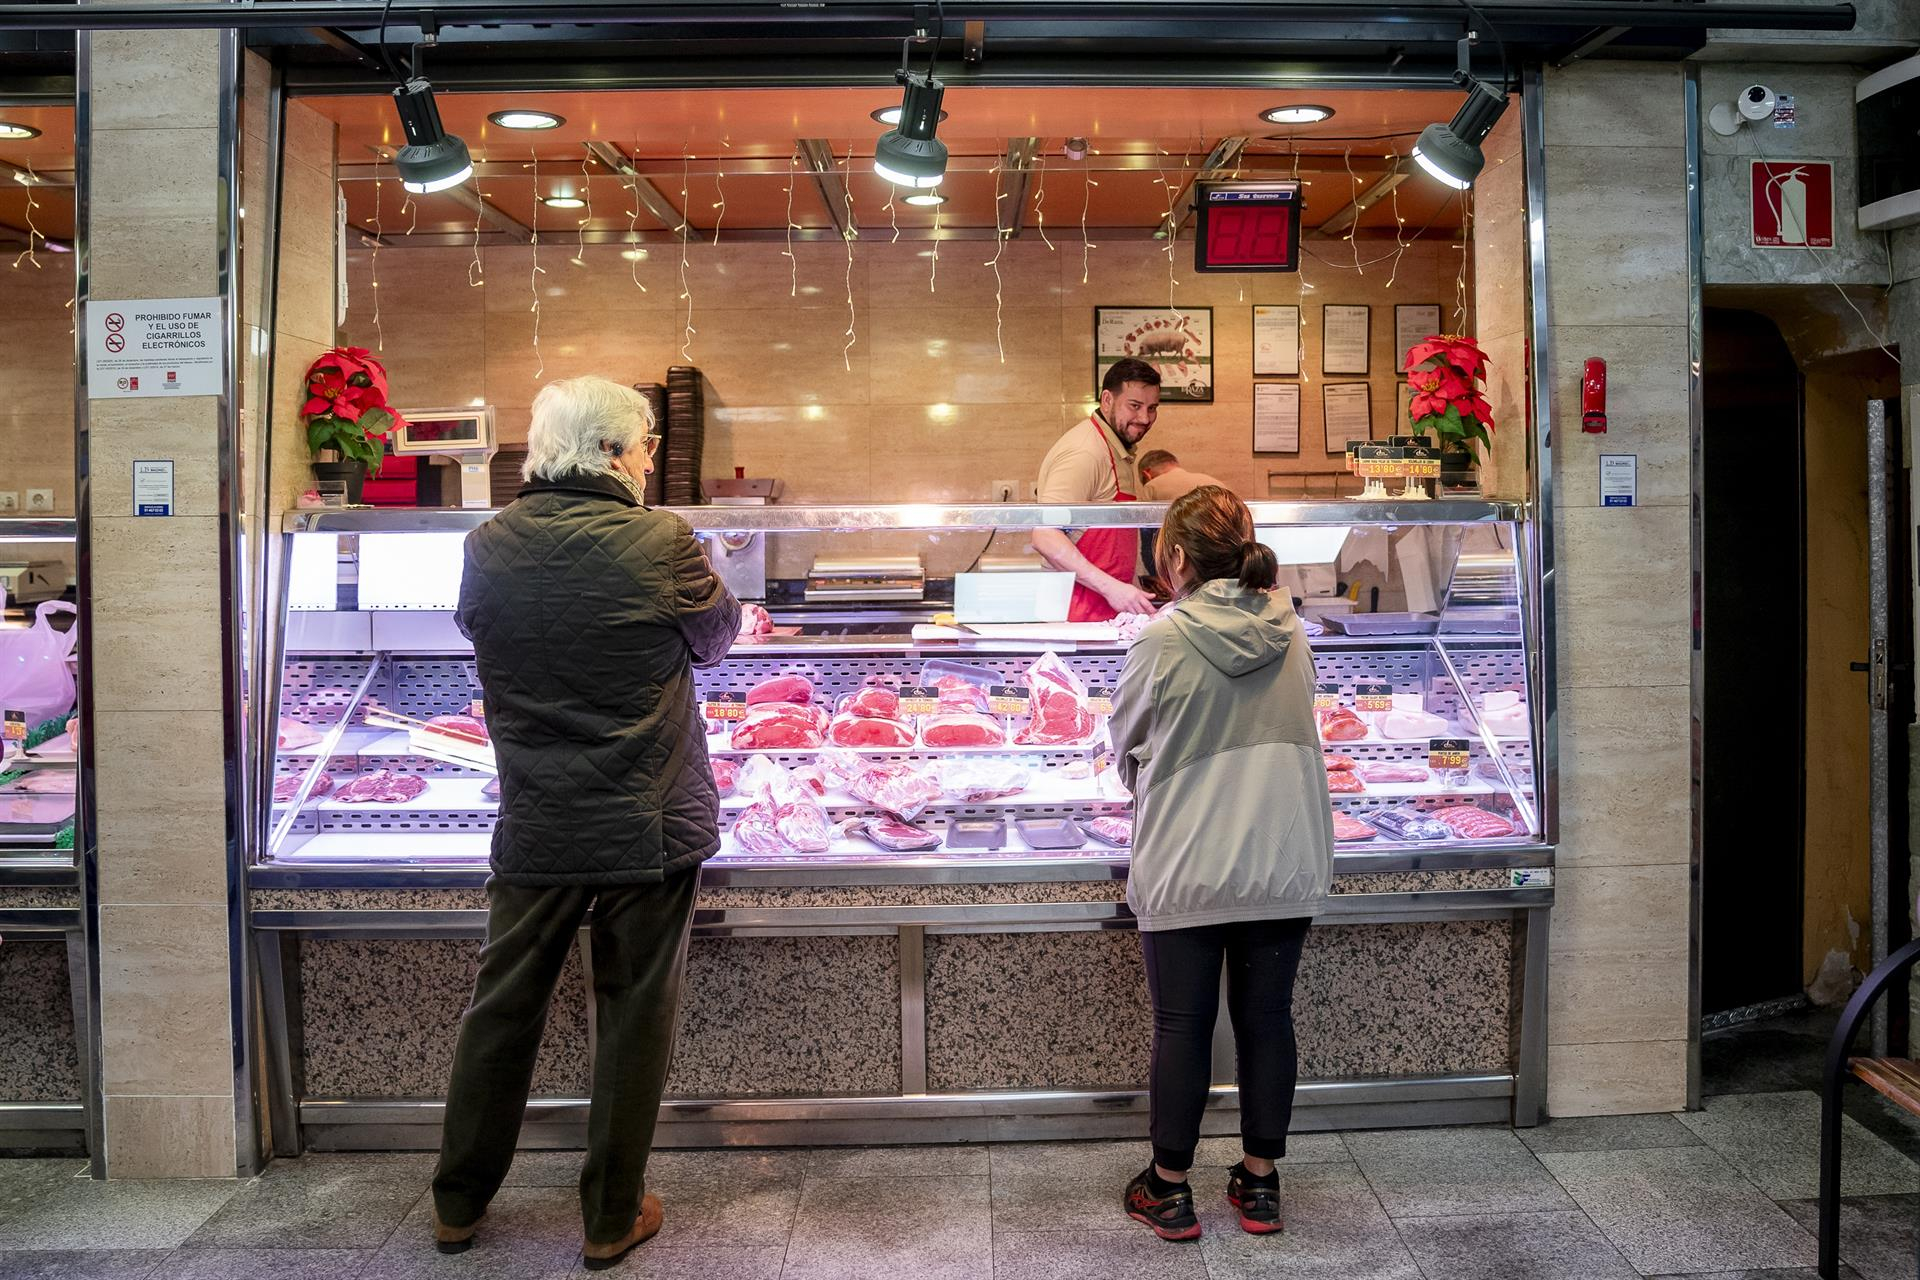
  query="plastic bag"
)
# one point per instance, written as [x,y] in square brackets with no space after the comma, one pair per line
[34,676]
[974,781]
[1060,713]
[785,816]
[902,790]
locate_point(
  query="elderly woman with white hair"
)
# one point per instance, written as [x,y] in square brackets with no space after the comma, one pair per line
[587,613]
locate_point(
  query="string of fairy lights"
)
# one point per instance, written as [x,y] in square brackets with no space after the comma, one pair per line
[1004,229]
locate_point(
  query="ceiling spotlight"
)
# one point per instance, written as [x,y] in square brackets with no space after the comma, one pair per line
[433,159]
[891,116]
[909,155]
[13,132]
[1299,113]
[563,202]
[926,198]
[1451,152]
[526,119]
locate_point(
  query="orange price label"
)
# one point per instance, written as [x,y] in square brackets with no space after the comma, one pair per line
[1448,753]
[1326,697]
[1373,697]
[727,706]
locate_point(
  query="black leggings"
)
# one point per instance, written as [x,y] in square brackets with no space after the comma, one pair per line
[1183,977]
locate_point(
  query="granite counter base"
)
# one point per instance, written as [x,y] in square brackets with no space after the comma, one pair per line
[39,1054]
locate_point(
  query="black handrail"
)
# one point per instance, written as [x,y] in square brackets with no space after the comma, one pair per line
[1838,1051]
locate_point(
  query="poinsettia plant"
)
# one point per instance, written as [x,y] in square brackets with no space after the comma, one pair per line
[1445,373]
[346,408]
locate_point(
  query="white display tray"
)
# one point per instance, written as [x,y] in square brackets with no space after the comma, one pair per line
[1043,788]
[721,744]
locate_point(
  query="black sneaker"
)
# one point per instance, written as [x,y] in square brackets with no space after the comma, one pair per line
[1171,1216]
[1257,1199]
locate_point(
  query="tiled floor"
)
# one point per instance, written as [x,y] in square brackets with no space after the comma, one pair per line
[1726,1192]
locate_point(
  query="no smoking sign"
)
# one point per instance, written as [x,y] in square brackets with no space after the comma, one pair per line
[156,347]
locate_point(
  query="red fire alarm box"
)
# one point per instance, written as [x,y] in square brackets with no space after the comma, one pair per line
[1593,396]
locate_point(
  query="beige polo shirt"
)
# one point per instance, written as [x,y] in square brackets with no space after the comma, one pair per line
[1177,482]
[1080,469]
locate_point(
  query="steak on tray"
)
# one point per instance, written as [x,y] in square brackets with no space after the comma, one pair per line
[384,787]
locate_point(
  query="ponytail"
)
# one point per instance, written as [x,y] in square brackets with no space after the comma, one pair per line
[1259,567]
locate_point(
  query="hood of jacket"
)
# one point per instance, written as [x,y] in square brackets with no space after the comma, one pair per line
[1237,630]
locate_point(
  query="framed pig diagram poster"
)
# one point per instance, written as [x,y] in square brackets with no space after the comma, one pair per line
[1179,344]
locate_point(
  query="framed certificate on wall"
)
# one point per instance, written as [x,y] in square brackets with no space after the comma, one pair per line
[1276,342]
[1412,324]
[1343,338]
[1348,408]
[1276,417]
[1178,344]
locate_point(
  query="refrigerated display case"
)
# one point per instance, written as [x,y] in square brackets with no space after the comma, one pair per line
[1432,699]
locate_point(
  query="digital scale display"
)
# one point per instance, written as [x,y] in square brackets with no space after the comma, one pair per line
[1247,226]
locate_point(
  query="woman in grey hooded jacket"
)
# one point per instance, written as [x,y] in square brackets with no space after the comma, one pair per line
[1213,729]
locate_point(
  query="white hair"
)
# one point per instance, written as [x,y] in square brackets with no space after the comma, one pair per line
[573,418]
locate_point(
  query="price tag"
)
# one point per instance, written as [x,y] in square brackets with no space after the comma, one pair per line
[919,700]
[1009,700]
[1100,700]
[1448,753]
[1353,453]
[14,727]
[727,706]
[1326,697]
[1531,878]
[1379,461]
[1422,462]
[477,709]
[1373,697]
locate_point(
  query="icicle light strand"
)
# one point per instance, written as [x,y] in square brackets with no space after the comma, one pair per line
[1039,205]
[33,231]
[720,190]
[373,266]
[1353,200]
[1086,246]
[849,233]
[634,252]
[476,273]
[933,276]
[1460,280]
[999,246]
[793,288]
[533,276]
[893,217]
[579,258]
[1399,227]
[686,290]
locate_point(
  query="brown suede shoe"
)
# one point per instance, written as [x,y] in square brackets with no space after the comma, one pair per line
[454,1239]
[598,1257]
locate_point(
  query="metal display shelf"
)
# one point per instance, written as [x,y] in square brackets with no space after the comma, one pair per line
[23,529]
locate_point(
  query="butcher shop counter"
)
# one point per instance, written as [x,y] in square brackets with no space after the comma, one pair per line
[982,987]
[43,958]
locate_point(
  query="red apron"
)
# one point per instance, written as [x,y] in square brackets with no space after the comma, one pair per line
[1114,552]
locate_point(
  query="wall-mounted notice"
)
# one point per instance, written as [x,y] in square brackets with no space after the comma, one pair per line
[1343,339]
[1276,342]
[1618,480]
[1276,417]
[153,347]
[153,487]
[1348,408]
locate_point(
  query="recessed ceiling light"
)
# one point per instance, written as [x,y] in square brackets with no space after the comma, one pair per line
[926,198]
[17,132]
[1298,113]
[891,115]
[563,202]
[518,119]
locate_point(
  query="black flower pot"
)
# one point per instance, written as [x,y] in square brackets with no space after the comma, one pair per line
[352,473]
[1458,470]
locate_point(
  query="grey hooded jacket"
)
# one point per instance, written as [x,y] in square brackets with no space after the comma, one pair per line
[1213,729]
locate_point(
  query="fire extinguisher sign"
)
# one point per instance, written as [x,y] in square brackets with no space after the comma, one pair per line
[1792,204]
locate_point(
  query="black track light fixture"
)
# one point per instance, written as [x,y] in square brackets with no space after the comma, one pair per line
[433,159]
[1451,152]
[909,154]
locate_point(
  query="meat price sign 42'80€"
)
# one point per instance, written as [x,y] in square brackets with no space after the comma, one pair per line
[1247,226]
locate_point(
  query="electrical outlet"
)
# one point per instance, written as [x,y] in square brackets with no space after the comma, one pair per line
[1033,491]
[9,501]
[1003,491]
[40,501]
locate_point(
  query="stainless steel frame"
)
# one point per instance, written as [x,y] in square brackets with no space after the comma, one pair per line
[1696,418]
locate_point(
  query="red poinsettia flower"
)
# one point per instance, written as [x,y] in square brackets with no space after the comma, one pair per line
[346,406]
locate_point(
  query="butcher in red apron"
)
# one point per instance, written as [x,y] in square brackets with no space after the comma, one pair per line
[1093,463]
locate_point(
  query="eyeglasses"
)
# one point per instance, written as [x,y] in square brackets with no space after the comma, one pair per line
[652,444]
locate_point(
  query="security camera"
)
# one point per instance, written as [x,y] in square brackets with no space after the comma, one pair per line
[1756,102]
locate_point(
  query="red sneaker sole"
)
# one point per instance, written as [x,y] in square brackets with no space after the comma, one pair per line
[1168,1233]
[1254,1227]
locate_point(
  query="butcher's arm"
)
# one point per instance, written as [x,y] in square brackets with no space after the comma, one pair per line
[1057,549]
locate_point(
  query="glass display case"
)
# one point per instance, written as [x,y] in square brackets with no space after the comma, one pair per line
[38,764]
[864,723]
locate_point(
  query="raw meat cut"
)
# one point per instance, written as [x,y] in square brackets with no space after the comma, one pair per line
[784,819]
[1505,713]
[35,810]
[1346,828]
[1412,724]
[725,774]
[44,782]
[902,790]
[1474,823]
[755,621]
[1117,832]
[466,727]
[1130,625]
[956,694]
[1393,772]
[1340,724]
[976,781]
[1336,762]
[1059,701]
[781,689]
[492,790]
[780,726]
[293,735]
[860,731]
[285,789]
[1410,824]
[898,836]
[962,729]
[1341,782]
[384,787]
[812,777]
[1488,771]
[872,702]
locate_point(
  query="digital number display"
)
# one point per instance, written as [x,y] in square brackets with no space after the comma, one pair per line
[1247,226]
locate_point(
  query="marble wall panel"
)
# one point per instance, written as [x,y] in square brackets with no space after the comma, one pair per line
[39,1057]
[766,1017]
[170,1137]
[1726,182]
[368,1035]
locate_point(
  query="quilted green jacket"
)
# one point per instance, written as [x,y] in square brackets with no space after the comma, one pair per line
[587,614]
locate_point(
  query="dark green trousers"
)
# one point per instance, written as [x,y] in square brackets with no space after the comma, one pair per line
[639,935]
